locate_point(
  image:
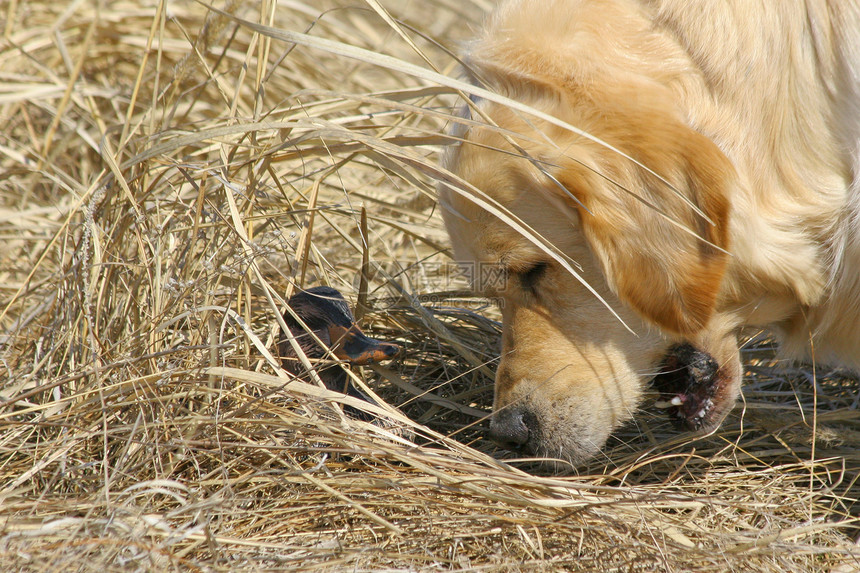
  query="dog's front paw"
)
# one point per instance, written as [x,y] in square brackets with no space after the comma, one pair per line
[689,385]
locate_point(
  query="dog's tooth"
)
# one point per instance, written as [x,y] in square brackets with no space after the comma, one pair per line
[701,413]
[677,401]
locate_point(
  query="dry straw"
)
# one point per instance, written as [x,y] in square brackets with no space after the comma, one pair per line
[168,175]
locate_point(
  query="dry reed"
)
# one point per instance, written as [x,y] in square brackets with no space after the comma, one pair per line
[169,175]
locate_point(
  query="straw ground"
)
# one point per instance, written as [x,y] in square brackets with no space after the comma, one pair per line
[168,176]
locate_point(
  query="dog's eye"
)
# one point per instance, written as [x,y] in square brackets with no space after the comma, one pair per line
[532,276]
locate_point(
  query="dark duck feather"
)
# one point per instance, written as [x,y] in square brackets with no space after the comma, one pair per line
[327,314]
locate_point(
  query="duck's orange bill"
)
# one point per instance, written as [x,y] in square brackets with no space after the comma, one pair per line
[352,345]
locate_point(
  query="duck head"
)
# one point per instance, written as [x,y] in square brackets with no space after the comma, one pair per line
[327,314]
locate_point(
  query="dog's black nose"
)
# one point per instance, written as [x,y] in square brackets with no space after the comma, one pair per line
[509,430]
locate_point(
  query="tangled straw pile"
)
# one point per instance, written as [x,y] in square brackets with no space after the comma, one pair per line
[169,175]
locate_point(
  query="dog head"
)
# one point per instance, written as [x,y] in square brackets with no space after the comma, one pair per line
[612,271]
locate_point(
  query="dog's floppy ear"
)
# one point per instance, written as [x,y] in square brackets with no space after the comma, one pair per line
[662,247]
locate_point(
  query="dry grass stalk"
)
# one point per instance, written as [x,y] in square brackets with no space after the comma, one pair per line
[169,176]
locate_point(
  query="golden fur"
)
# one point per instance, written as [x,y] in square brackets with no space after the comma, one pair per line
[750,114]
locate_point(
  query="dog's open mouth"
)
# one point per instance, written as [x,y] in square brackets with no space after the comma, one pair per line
[689,386]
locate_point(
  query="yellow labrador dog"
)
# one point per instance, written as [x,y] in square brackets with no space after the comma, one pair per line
[684,169]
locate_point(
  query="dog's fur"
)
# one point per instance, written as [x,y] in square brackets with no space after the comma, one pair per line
[749,113]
